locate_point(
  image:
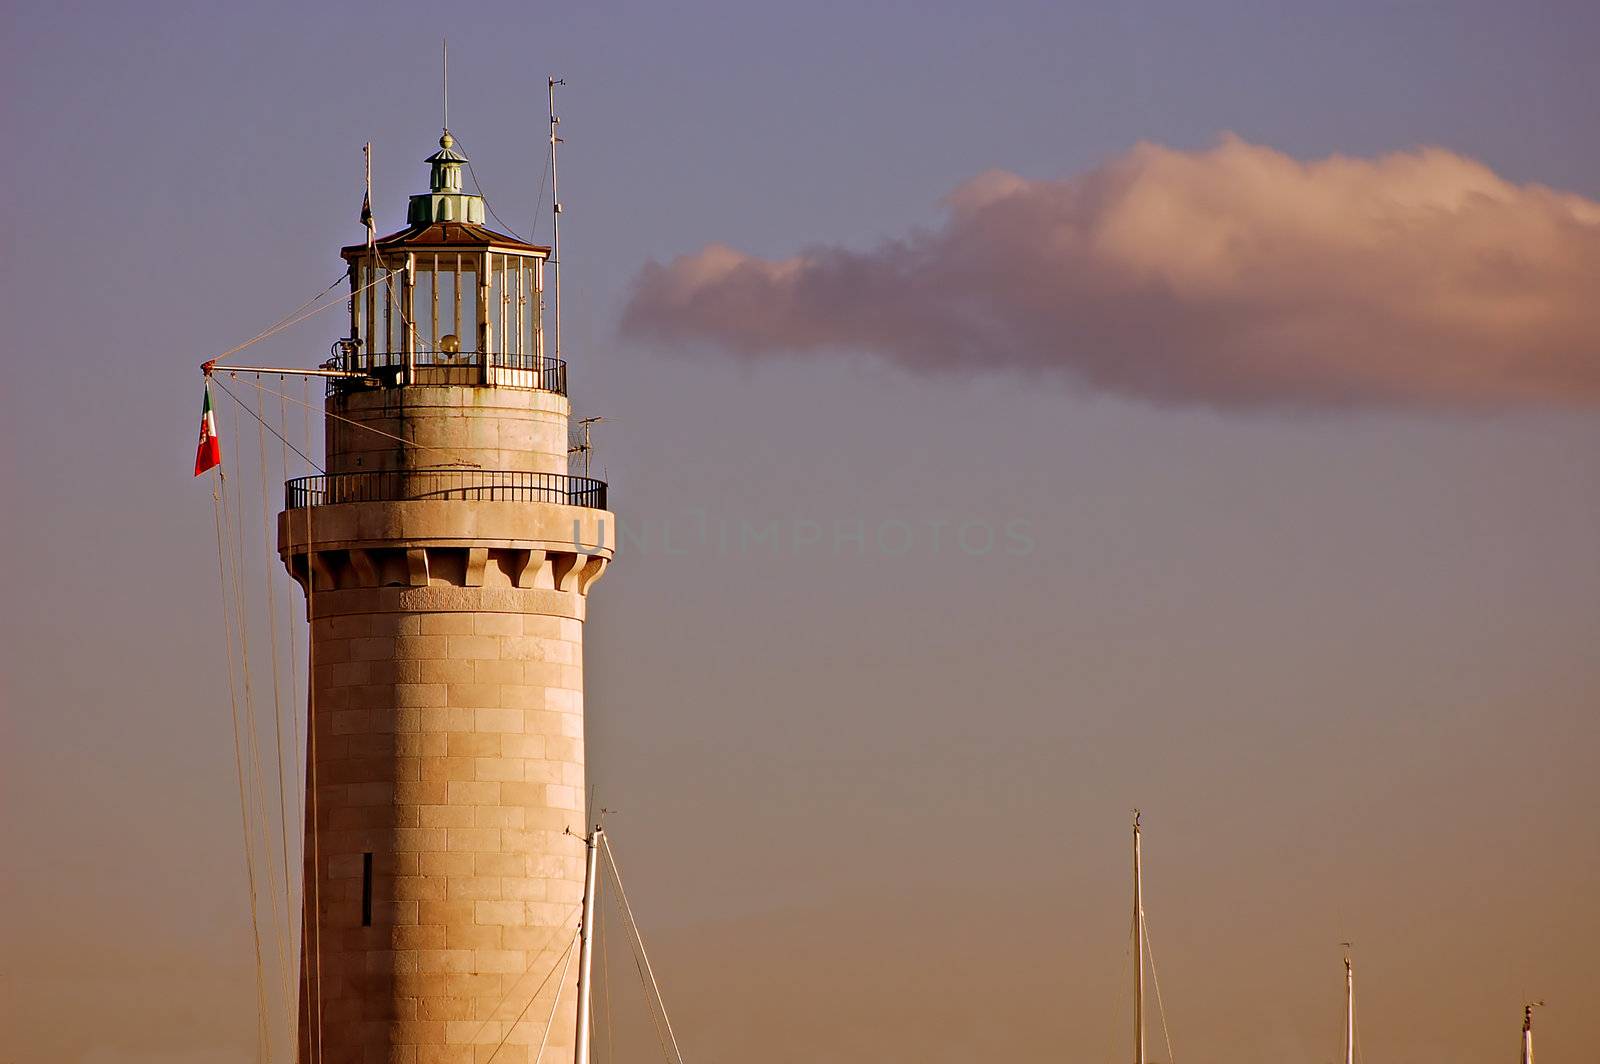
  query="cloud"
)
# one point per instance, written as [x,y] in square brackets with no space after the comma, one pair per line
[1235,276]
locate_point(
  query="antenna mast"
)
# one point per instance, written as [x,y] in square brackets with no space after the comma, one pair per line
[1138,947]
[555,209]
[584,446]
[444,63]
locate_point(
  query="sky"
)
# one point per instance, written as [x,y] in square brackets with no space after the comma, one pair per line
[1229,488]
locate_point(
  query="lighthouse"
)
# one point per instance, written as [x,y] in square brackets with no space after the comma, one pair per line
[447,556]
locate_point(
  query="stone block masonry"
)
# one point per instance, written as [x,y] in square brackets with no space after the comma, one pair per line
[448,745]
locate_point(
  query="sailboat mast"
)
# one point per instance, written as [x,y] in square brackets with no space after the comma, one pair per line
[1349,1012]
[591,897]
[1138,947]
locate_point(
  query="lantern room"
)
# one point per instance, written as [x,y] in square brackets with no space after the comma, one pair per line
[448,300]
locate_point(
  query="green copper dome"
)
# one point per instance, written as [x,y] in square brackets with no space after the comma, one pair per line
[445,202]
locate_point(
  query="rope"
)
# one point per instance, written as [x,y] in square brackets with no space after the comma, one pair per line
[650,1004]
[269,428]
[605,971]
[525,973]
[311,767]
[284,322]
[238,766]
[295,317]
[538,203]
[641,956]
[531,999]
[655,1019]
[232,569]
[1161,1006]
[232,513]
[485,198]
[294,721]
[555,1003]
[277,696]
[397,305]
[335,417]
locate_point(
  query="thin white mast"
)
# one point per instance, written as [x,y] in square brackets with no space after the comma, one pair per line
[1349,1011]
[591,898]
[555,233]
[1138,948]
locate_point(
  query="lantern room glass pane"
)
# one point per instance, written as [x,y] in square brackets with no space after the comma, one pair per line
[393,286]
[438,309]
[423,303]
[499,297]
[530,311]
[366,329]
[445,323]
[469,328]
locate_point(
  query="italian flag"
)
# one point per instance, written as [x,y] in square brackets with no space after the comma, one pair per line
[210,451]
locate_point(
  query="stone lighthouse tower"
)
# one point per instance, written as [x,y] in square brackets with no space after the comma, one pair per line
[446,558]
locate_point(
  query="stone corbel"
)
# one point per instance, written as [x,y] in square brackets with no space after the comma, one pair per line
[531,562]
[322,574]
[299,571]
[477,559]
[566,569]
[591,572]
[417,566]
[366,569]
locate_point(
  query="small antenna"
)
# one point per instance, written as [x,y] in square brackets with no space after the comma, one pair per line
[584,445]
[444,56]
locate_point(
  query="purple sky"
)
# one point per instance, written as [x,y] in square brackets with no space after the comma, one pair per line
[871,797]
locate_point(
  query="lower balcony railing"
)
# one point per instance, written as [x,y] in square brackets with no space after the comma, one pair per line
[405,485]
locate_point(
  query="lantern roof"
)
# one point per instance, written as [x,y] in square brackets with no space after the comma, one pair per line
[447,236]
[446,217]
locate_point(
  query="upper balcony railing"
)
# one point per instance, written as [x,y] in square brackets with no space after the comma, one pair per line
[474,485]
[541,372]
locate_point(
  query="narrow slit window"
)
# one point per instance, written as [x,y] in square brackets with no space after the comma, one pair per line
[366,890]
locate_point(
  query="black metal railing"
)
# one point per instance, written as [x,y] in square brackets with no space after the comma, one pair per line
[405,485]
[546,372]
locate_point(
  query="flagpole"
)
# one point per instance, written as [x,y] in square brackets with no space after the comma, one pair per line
[366,199]
[372,248]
